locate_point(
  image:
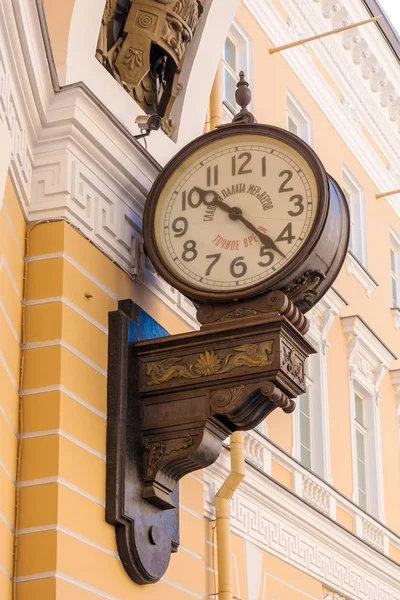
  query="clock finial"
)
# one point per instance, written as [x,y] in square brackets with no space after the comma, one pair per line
[243,98]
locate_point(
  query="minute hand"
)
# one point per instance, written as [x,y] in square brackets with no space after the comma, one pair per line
[265,239]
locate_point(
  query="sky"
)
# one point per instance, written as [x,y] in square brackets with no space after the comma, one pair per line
[392,10]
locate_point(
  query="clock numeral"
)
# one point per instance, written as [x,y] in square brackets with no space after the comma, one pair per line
[298,201]
[288,176]
[286,235]
[270,257]
[216,258]
[194,199]
[189,251]
[180,226]
[264,166]
[238,268]
[212,176]
[246,157]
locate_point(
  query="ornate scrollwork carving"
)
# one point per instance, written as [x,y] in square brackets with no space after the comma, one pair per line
[142,43]
[157,451]
[221,399]
[304,290]
[292,364]
[209,363]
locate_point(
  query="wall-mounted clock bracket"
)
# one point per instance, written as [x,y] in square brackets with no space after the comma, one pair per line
[171,403]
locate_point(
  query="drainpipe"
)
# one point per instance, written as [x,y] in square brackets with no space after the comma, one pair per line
[225,493]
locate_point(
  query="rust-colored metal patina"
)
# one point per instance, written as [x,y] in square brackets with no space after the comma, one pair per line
[143,44]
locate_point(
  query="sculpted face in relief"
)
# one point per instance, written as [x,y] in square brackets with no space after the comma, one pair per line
[233,214]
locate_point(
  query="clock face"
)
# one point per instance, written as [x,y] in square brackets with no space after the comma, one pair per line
[234,213]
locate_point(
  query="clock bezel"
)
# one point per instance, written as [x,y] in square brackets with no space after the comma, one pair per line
[271,282]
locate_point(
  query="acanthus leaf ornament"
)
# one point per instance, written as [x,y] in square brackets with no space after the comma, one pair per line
[208,363]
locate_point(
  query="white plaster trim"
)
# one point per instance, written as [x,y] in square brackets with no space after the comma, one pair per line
[368,361]
[6,573]
[303,536]
[70,305]
[7,369]
[8,420]
[67,436]
[396,317]
[4,263]
[70,533]
[353,267]
[70,348]
[332,54]
[67,392]
[353,325]
[64,482]
[9,323]
[6,522]
[182,588]
[62,576]
[7,470]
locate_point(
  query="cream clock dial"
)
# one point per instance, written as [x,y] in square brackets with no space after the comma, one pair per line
[236,213]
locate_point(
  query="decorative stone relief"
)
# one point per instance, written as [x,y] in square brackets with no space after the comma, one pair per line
[315,495]
[373,535]
[368,358]
[142,43]
[362,55]
[331,595]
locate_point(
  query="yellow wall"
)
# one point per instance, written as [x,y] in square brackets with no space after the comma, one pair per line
[64,408]
[71,287]
[12,234]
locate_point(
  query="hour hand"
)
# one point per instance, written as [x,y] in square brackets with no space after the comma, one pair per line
[211,198]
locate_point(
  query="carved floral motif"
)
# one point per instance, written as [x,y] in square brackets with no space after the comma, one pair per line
[292,363]
[157,451]
[223,398]
[209,363]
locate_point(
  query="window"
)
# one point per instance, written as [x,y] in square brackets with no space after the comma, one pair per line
[230,74]
[310,435]
[395,269]
[235,58]
[305,425]
[361,444]
[355,199]
[298,121]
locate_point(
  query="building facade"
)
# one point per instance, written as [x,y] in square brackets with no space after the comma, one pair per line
[316,516]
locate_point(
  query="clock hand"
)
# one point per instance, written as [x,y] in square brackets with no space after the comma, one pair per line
[214,201]
[266,240]
[235,213]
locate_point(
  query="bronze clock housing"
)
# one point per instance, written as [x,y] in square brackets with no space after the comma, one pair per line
[246,222]
[304,274]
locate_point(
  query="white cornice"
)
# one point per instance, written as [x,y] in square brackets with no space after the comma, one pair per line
[280,523]
[309,18]
[378,352]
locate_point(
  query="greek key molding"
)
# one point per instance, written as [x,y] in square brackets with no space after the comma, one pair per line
[301,534]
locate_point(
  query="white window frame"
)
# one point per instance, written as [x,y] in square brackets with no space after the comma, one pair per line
[395,247]
[357,244]
[362,429]
[374,485]
[317,391]
[321,319]
[368,361]
[243,44]
[300,117]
